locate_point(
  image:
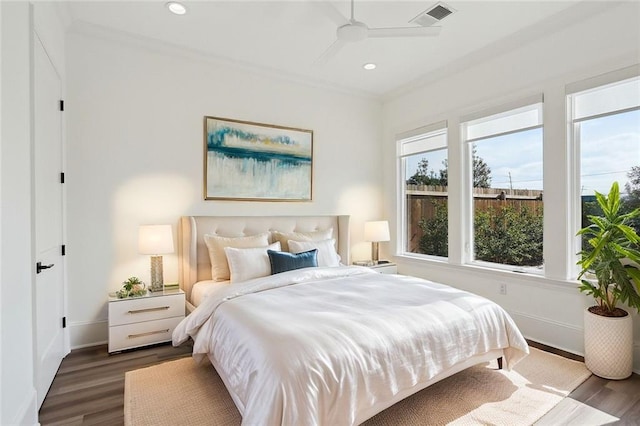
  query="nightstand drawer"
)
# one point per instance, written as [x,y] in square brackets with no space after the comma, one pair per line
[143,333]
[145,309]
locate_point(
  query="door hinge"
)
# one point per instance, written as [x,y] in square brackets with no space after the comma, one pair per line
[64,250]
[64,322]
[61,104]
[62,177]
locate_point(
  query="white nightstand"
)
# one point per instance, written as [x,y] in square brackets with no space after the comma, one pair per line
[144,320]
[383,268]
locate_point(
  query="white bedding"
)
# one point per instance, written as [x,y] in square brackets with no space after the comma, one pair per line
[331,346]
[202,289]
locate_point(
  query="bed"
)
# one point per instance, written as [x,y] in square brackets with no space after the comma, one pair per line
[328,345]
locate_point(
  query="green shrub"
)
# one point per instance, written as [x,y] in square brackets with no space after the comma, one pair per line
[503,234]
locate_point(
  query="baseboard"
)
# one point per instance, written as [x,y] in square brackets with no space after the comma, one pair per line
[89,333]
[27,413]
[559,335]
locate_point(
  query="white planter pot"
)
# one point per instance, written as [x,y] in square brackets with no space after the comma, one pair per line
[608,345]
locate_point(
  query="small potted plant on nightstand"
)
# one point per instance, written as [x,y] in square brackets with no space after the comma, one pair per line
[611,274]
[132,287]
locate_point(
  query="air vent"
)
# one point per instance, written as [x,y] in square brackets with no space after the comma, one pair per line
[434,14]
[439,12]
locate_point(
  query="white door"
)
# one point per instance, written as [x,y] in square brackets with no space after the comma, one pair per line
[49,287]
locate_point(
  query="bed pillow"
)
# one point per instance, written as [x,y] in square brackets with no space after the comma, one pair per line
[248,263]
[217,256]
[282,261]
[284,237]
[327,255]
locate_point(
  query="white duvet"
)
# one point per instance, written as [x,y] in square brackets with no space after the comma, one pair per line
[331,346]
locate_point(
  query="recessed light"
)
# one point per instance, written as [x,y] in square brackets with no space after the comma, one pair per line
[177,8]
[369,66]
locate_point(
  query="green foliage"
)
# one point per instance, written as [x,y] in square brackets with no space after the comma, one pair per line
[132,287]
[481,171]
[509,235]
[611,245]
[435,235]
[632,200]
[503,234]
[424,176]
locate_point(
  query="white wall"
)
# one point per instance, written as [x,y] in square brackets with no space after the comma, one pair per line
[135,147]
[547,310]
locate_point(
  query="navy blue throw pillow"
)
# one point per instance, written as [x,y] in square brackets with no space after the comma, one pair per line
[281,261]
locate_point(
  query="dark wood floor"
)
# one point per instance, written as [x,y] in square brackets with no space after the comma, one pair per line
[89,390]
[89,386]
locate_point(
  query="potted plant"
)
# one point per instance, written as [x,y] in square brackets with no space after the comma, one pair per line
[610,273]
[132,287]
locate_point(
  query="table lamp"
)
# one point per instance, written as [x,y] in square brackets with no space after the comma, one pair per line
[375,232]
[155,240]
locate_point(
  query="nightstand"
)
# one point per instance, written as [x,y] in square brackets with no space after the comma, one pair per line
[383,268]
[144,320]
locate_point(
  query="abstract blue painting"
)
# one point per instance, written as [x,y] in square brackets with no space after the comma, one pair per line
[254,161]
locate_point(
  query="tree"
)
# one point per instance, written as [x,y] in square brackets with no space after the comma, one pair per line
[481,171]
[632,200]
[424,176]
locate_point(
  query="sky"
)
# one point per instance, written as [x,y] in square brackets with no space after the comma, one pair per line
[610,146]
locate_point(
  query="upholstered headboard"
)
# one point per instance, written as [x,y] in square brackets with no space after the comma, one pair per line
[193,255]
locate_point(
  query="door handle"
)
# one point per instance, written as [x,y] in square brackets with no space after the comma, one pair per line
[40,267]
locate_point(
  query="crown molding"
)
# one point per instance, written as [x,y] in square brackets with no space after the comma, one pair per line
[154,45]
[554,24]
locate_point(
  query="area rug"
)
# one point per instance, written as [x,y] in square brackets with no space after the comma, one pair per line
[183,393]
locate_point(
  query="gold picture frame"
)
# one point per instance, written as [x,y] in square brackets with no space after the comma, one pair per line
[248,161]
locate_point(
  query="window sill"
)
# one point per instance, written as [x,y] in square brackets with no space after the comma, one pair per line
[526,278]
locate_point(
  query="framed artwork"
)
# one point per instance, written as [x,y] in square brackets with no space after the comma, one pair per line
[254,161]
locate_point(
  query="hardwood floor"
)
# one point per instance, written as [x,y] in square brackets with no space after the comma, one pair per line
[89,390]
[89,386]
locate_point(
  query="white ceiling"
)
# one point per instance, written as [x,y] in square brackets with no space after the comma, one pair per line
[286,37]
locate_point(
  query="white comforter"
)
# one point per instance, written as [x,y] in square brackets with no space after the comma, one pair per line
[329,346]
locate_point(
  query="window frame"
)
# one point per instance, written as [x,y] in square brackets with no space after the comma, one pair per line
[435,129]
[534,101]
[574,140]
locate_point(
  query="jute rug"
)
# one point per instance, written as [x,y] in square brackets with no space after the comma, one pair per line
[182,393]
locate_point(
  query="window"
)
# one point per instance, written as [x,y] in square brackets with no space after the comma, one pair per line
[606,133]
[505,169]
[424,192]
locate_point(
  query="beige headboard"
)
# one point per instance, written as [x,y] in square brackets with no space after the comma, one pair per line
[193,256]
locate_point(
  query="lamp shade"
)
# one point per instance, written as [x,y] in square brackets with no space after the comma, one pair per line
[376,231]
[155,239]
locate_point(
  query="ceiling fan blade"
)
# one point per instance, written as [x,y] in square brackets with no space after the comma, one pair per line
[330,11]
[329,53]
[404,32]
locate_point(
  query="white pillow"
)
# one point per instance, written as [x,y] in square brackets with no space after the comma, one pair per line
[248,263]
[216,245]
[327,255]
[284,237]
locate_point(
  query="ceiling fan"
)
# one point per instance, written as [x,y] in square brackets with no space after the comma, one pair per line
[352,30]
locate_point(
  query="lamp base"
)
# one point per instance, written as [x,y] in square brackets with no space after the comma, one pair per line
[157,280]
[374,252]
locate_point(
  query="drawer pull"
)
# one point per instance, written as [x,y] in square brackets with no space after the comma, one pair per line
[141,311]
[150,333]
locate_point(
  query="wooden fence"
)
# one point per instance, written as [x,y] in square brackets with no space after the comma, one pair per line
[420,204]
